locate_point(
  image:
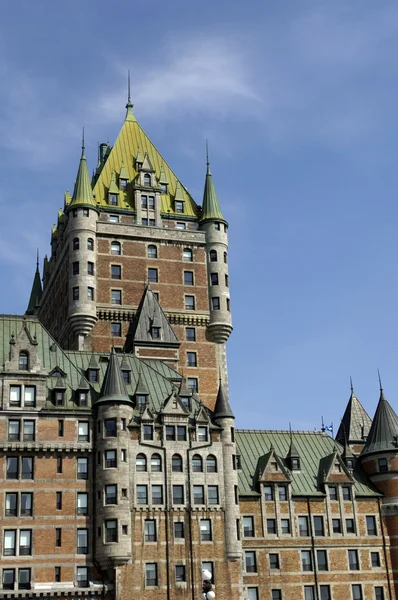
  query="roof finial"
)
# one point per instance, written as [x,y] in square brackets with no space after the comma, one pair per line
[128,88]
[351,386]
[381,386]
[207,158]
[37,259]
[83,146]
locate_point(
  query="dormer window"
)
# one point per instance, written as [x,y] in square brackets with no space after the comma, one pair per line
[155,331]
[93,375]
[350,463]
[23,361]
[138,166]
[179,206]
[163,188]
[141,401]
[82,399]
[59,398]
[337,467]
[123,184]
[295,464]
[126,376]
[202,434]
[112,200]
[185,401]
[147,179]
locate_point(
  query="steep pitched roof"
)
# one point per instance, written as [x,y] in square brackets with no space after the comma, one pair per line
[35,294]
[355,424]
[113,388]
[82,193]
[150,314]
[211,207]
[383,435]
[222,407]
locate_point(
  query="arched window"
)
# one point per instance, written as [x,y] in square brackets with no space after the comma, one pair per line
[211,464]
[197,464]
[116,248]
[213,256]
[187,254]
[152,251]
[76,244]
[90,244]
[176,463]
[225,257]
[147,179]
[156,462]
[140,462]
[23,363]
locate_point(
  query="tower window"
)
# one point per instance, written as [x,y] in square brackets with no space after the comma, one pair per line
[116,297]
[76,244]
[90,293]
[214,278]
[75,293]
[116,329]
[75,268]
[187,255]
[179,206]
[213,256]
[192,359]
[116,248]
[90,268]
[152,251]
[228,301]
[151,202]
[144,201]
[215,303]
[86,212]
[152,275]
[188,278]
[225,257]
[383,465]
[217,226]
[226,280]
[190,334]
[112,199]
[116,272]
[23,361]
[189,302]
[163,188]
[147,179]
[155,331]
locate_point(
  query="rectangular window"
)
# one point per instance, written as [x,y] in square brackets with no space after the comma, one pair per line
[75,293]
[75,268]
[357,592]
[110,459]
[180,572]
[82,503]
[59,465]
[8,579]
[179,206]
[375,559]
[179,530]
[15,395]
[150,530]
[250,562]
[205,530]
[202,434]
[379,592]
[180,225]
[178,494]
[248,526]
[188,277]
[151,574]
[192,359]
[9,546]
[142,494]
[59,397]
[60,428]
[14,430]
[29,395]
[198,494]
[268,492]
[11,504]
[181,433]
[110,428]
[112,199]
[27,467]
[350,525]
[274,561]
[82,576]
[190,334]
[309,592]
[371,527]
[152,275]
[285,526]
[116,329]
[336,525]
[116,297]
[304,530]
[110,494]
[322,560]
[282,492]
[144,201]
[116,272]
[24,579]
[25,542]
[306,560]
[58,537]
[93,375]
[215,303]
[26,504]
[383,465]
[90,268]
[111,530]
[170,433]
[57,574]
[83,431]
[212,494]
[58,500]
[123,455]
[148,432]
[157,494]
[189,302]
[353,560]
[82,541]
[82,468]
[252,593]
[325,592]
[319,529]
[12,467]
[271,526]
[214,278]
[193,386]
[346,492]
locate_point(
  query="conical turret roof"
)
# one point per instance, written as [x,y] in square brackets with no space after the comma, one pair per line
[355,424]
[35,295]
[141,389]
[293,452]
[82,193]
[383,435]
[113,388]
[211,207]
[222,407]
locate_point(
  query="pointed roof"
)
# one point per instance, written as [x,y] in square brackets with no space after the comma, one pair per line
[162,176]
[123,173]
[93,364]
[82,193]
[355,424]
[184,390]
[178,195]
[211,207]
[383,434]
[114,388]
[141,389]
[150,314]
[113,189]
[292,452]
[35,294]
[222,407]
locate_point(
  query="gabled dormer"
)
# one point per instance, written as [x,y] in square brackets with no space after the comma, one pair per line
[141,394]
[293,459]
[185,394]
[113,192]
[146,177]
[179,204]
[271,468]
[333,470]
[93,370]
[139,159]
[173,407]
[23,352]
[163,182]
[123,178]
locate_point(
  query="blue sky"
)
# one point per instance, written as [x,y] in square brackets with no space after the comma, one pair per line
[298,101]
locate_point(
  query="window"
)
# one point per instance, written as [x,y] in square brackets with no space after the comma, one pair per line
[110,494]
[325,592]
[285,526]
[126,376]
[147,180]
[57,574]
[213,255]
[170,433]
[198,494]
[295,464]
[178,206]
[25,542]
[157,494]
[191,359]
[123,455]
[141,404]
[304,530]
[309,592]
[110,459]
[163,188]
[148,431]
[188,277]
[197,463]
[58,500]
[336,525]
[112,199]
[142,494]
[250,562]
[59,465]
[24,579]
[113,219]
[252,593]
[8,579]
[217,226]
[189,302]
[322,560]
[179,530]
[350,525]
[180,573]
[27,468]
[82,503]
[371,527]
[350,463]
[156,462]
[333,492]
[383,465]
[11,504]
[12,467]
[116,248]
[353,560]
[282,492]
[268,492]
[193,386]
[144,201]
[226,280]
[9,546]
[58,537]
[93,375]
[90,244]
[211,464]
[83,431]
[228,301]
[140,462]
[379,592]
[215,303]
[111,530]
[176,463]
[14,430]
[248,526]
[152,251]
[306,560]
[205,530]
[150,530]
[82,468]
[82,576]
[82,541]
[181,433]
[319,529]
[116,329]
[274,561]
[357,592]
[190,334]
[116,297]
[180,226]
[152,275]
[116,272]
[346,492]
[271,526]
[375,559]
[187,255]
[75,268]
[151,574]
[76,244]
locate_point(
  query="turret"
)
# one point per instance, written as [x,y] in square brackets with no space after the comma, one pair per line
[81,231]
[114,412]
[224,418]
[355,424]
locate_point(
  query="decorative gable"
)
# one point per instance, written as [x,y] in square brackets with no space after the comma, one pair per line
[202,415]
[23,352]
[333,470]
[272,468]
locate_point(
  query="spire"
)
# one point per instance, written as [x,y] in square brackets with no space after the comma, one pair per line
[113,388]
[355,424]
[211,206]
[383,434]
[35,295]
[292,452]
[141,389]
[82,193]
[222,408]
[129,106]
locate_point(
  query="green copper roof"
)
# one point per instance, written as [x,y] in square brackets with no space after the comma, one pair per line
[113,189]
[383,435]
[178,193]
[82,193]
[222,407]
[355,424]
[113,389]
[211,206]
[123,172]
[35,294]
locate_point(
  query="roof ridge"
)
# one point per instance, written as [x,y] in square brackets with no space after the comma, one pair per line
[284,431]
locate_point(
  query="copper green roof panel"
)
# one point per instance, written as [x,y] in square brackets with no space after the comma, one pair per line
[82,193]
[211,206]
[355,424]
[383,435]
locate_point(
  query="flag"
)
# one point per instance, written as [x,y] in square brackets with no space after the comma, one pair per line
[329,427]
